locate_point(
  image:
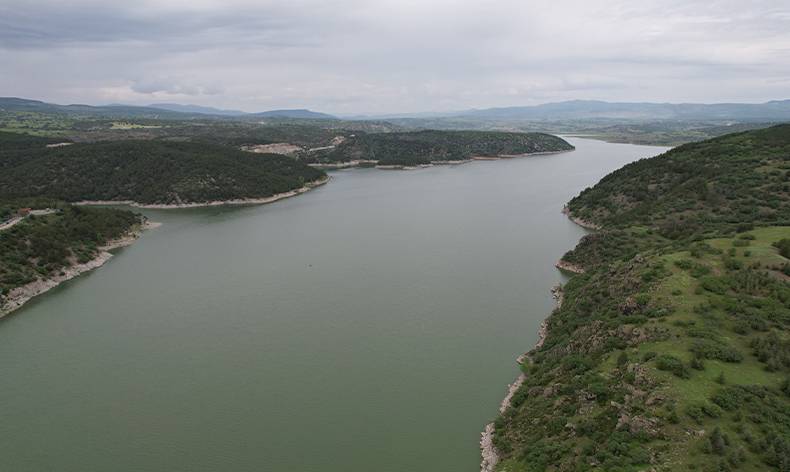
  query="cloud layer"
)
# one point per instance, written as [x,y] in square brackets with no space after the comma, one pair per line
[366,56]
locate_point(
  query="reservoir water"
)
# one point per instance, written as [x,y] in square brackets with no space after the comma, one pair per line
[369,325]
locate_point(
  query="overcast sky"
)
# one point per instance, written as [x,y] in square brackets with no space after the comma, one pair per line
[384,56]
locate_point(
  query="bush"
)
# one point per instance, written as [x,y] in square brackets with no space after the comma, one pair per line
[710,349]
[648,356]
[672,364]
[714,284]
[729,398]
[622,359]
[784,247]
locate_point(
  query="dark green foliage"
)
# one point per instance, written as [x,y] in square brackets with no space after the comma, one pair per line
[772,351]
[721,379]
[672,364]
[423,147]
[622,359]
[15,141]
[718,442]
[710,349]
[44,245]
[784,247]
[151,172]
[680,203]
[697,187]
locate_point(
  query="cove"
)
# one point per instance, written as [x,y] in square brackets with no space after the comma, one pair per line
[370,324]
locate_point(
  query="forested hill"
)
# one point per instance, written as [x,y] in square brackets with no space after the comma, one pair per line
[424,147]
[731,180]
[672,350]
[149,172]
[15,141]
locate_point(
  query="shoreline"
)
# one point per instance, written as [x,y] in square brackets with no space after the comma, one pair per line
[237,201]
[488,452]
[375,163]
[490,457]
[21,295]
[569,267]
[583,223]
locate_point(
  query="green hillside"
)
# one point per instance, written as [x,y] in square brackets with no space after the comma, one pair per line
[149,172]
[672,350]
[423,147]
[43,246]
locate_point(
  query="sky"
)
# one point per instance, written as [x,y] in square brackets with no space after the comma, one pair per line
[393,56]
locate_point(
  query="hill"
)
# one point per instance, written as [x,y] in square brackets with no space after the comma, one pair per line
[699,187]
[424,147]
[53,242]
[14,104]
[671,351]
[150,172]
[156,111]
[196,109]
[299,114]
[16,141]
[588,109]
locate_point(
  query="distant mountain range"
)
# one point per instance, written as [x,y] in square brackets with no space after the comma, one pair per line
[158,110]
[773,111]
[196,109]
[593,109]
[597,109]
[296,113]
[301,113]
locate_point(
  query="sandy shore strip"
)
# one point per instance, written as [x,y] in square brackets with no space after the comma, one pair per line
[488,452]
[21,295]
[238,201]
[375,163]
[345,165]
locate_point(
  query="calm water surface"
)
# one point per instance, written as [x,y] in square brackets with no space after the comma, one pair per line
[371,324]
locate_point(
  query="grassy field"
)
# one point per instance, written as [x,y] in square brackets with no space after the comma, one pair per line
[685,293]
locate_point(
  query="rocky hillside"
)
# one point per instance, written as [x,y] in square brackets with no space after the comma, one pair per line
[672,350]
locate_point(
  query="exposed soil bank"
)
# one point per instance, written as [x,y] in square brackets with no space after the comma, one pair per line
[569,267]
[375,163]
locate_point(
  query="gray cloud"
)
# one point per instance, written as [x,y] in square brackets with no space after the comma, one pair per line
[350,56]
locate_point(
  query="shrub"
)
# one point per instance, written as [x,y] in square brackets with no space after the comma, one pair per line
[714,284]
[622,359]
[648,356]
[729,398]
[710,349]
[784,247]
[672,364]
